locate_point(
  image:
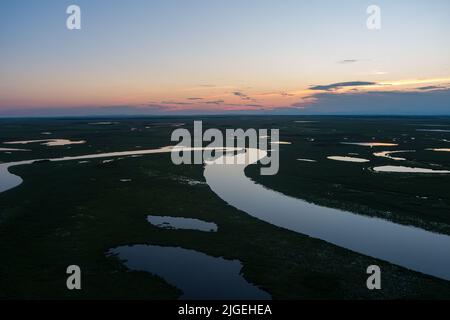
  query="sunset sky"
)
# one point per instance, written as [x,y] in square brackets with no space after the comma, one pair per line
[224,56]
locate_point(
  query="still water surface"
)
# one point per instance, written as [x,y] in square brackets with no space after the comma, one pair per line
[198,275]
[407,246]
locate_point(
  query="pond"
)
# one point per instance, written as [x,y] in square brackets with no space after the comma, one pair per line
[198,275]
[177,223]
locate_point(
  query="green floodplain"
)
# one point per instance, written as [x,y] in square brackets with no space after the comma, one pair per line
[72,213]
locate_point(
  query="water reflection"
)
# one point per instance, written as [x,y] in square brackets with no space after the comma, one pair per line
[7,179]
[402,169]
[48,142]
[407,246]
[198,275]
[347,159]
[181,223]
[387,154]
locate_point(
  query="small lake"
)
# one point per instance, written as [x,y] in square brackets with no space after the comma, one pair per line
[12,150]
[198,275]
[402,169]
[387,154]
[176,223]
[48,142]
[347,159]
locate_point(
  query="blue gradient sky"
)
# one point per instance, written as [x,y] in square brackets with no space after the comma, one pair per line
[213,56]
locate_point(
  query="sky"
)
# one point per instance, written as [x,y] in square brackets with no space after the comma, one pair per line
[224,56]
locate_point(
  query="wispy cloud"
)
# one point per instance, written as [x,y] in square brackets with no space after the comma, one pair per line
[217,102]
[416,102]
[348,61]
[334,86]
[414,82]
[428,88]
[242,95]
[277,93]
[181,103]
[245,97]
[254,105]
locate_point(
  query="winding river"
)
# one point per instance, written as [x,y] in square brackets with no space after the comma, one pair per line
[407,246]
[9,180]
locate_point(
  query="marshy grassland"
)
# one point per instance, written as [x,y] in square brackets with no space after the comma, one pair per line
[73,212]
